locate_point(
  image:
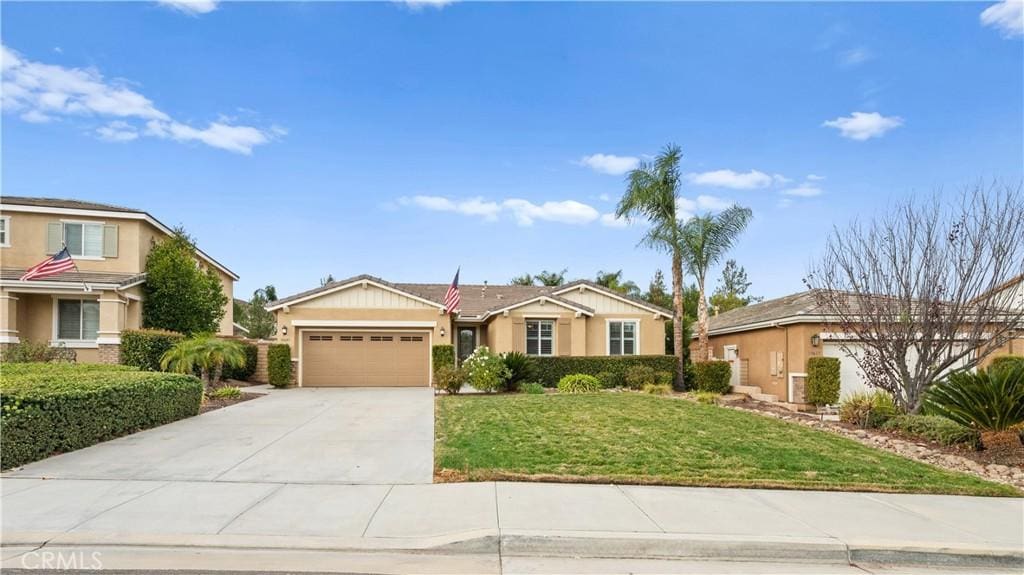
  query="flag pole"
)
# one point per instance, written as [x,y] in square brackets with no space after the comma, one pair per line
[64,247]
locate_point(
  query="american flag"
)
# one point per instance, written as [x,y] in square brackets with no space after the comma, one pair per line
[451,299]
[53,265]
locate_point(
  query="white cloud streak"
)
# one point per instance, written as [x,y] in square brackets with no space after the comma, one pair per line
[855,56]
[420,4]
[40,92]
[191,7]
[1006,16]
[862,126]
[732,179]
[609,163]
[804,190]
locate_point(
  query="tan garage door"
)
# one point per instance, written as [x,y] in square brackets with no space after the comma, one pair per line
[373,359]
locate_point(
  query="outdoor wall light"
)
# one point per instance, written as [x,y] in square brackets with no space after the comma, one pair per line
[815,340]
[442,332]
[284,330]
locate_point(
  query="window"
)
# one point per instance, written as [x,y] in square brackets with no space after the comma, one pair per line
[78,319]
[5,231]
[622,337]
[84,239]
[540,337]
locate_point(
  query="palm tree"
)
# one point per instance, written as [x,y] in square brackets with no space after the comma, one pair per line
[206,353]
[652,190]
[704,241]
[551,279]
[523,280]
[614,282]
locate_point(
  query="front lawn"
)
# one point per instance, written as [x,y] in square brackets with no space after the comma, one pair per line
[642,439]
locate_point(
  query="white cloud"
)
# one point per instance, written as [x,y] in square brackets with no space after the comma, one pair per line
[604,198]
[42,92]
[855,56]
[861,126]
[1006,16]
[731,179]
[471,207]
[687,208]
[193,7]
[804,190]
[420,4]
[815,177]
[609,163]
[611,221]
[566,212]
[712,203]
[117,131]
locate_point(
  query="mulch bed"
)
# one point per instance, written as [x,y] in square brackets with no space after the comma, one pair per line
[212,404]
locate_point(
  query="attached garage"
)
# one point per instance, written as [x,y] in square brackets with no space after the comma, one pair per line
[365,359]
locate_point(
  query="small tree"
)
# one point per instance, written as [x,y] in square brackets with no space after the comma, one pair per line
[731,292]
[916,287]
[258,320]
[205,353]
[181,294]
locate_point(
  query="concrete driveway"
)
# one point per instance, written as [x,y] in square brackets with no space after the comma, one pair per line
[305,435]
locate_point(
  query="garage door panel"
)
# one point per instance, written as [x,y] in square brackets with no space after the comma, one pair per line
[376,359]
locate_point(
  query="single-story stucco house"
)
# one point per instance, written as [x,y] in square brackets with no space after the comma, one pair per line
[365,331]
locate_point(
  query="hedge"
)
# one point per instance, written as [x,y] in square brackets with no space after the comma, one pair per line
[279,364]
[550,369]
[1006,361]
[713,376]
[55,408]
[245,372]
[442,355]
[143,348]
[822,387]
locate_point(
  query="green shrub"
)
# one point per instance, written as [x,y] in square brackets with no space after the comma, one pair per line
[657,389]
[449,379]
[867,409]
[578,383]
[1002,361]
[638,376]
[712,376]
[521,369]
[610,380]
[55,408]
[279,364]
[706,397]
[226,392]
[822,386]
[143,348]
[933,428]
[442,355]
[485,370]
[550,369]
[987,400]
[245,372]
[532,388]
[27,351]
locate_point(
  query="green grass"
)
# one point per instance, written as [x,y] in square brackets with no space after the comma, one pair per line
[641,439]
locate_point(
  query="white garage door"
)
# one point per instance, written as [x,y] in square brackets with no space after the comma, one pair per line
[851,378]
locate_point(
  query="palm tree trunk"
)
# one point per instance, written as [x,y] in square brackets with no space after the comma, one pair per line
[703,352]
[677,315]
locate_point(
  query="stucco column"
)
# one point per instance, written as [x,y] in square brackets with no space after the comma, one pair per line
[8,318]
[579,335]
[112,315]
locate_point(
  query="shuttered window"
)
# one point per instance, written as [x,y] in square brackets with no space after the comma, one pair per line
[78,319]
[622,338]
[540,337]
[84,239]
[5,231]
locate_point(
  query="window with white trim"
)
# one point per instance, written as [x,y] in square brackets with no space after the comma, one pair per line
[540,337]
[622,337]
[78,319]
[84,239]
[5,231]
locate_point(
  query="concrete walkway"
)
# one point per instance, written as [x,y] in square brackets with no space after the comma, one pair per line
[306,435]
[477,522]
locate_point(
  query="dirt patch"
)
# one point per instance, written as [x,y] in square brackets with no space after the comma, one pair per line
[213,404]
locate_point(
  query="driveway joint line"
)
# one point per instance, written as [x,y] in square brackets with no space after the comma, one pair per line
[265,496]
[125,502]
[375,510]
[641,509]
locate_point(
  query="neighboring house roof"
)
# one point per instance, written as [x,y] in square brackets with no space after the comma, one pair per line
[1001,287]
[57,205]
[119,280]
[793,308]
[477,301]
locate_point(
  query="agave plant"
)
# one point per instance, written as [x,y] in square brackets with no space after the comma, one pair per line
[991,401]
[205,353]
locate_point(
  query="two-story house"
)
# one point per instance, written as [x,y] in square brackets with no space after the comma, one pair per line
[85,309]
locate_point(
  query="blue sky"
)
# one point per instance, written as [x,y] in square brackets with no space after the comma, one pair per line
[300,139]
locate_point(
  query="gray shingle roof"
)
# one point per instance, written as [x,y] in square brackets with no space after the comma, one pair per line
[797,304]
[119,279]
[64,203]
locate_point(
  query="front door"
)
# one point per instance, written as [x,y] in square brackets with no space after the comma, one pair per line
[467,342]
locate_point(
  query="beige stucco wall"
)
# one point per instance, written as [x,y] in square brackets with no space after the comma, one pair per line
[573,335]
[652,333]
[756,346]
[28,242]
[285,320]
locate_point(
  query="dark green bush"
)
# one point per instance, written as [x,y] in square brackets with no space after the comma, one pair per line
[27,351]
[579,383]
[933,428]
[532,388]
[550,369]
[987,400]
[442,355]
[822,386]
[279,364]
[1002,361]
[610,380]
[449,379]
[54,408]
[712,376]
[226,392]
[638,376]
[521,369]
[143,348]
[246,371]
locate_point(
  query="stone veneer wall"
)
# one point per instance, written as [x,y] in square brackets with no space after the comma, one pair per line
[109,353]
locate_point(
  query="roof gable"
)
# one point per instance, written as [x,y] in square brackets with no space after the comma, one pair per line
[376,293]
[604,300]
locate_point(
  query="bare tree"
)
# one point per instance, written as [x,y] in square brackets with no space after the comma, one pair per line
[916,287]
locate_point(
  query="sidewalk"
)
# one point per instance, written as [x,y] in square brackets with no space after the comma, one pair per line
[474,522]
